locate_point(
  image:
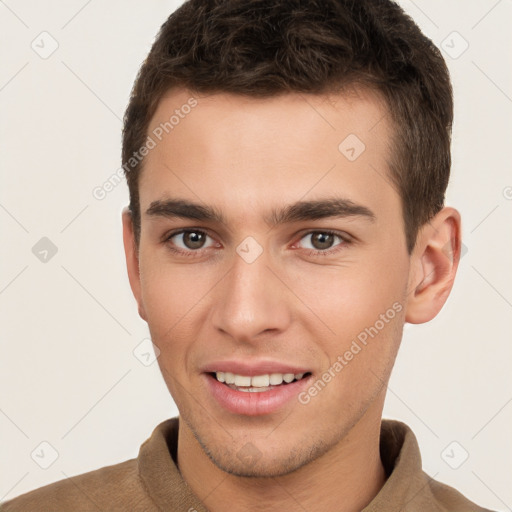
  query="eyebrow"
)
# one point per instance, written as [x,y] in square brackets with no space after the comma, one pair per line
[300,211]
[183,209]
[320,209]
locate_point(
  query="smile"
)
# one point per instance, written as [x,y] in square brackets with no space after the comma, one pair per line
[256,394]
[256,383]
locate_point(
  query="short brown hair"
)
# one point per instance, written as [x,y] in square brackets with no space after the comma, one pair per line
[262,48]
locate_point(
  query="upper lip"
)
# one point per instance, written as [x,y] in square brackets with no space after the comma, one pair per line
[252,368]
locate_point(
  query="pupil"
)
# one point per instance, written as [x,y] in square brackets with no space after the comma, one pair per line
[193,240]
[322,240]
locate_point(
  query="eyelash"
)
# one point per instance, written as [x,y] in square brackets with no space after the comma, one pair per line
[345,241]
[181,252]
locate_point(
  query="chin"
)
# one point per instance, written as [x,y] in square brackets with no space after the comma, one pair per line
[251,461]
[265,467]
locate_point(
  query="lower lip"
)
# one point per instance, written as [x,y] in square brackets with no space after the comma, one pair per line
[257,403]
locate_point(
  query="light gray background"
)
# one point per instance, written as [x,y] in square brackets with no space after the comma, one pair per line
[68,374]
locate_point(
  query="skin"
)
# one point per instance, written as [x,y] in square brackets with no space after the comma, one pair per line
[246,157]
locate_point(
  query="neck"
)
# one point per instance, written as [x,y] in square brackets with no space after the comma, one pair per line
[345,479]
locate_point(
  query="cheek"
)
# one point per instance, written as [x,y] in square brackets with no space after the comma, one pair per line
[172,302]
[169,291]
[357,325]
[171,296]
[349,298]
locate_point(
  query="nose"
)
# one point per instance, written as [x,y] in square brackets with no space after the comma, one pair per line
[250,302]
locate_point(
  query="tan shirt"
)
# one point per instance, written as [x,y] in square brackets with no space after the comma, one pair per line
[152,482]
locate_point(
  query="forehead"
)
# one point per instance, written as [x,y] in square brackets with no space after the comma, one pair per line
[247,153]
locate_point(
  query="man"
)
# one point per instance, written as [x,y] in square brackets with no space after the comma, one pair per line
[287,164]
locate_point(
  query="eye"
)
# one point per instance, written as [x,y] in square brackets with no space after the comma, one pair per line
[321,241]
[191,240]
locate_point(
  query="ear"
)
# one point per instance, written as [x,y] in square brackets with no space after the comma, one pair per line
[434,263]
[132,260]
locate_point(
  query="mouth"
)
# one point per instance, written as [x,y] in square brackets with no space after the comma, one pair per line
[256,394]
[257,383]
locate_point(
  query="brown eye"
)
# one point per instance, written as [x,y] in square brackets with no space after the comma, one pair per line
[191,240]
[321,240]
[194,239]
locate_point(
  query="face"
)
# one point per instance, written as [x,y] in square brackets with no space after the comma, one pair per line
[272,248]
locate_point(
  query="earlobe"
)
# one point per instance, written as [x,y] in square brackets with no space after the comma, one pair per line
[132,260]
[434,265]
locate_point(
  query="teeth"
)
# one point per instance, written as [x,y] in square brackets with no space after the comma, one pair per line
[242,380]
[276,379]
[258,381]
[254,390]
